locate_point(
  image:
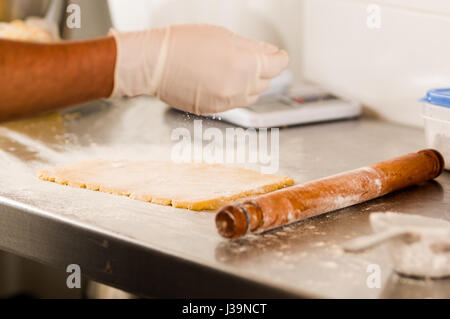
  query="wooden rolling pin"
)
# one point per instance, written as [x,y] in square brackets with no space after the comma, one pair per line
[314,198]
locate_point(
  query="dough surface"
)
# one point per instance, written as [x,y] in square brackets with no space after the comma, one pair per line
[188,185]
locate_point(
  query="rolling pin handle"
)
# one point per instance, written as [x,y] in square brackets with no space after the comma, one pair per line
[235,221]
[440,160]
[232,222]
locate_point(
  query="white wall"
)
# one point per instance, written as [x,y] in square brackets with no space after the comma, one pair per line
[387,69]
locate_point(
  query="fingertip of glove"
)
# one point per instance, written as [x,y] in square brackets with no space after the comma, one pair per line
[268,48]
[274,64]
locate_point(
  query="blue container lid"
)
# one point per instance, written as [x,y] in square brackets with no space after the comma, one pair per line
[439,97]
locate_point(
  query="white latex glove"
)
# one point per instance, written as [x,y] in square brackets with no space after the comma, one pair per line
[198,68]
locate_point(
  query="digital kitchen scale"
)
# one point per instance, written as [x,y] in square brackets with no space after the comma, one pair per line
[282,111]
[301,104]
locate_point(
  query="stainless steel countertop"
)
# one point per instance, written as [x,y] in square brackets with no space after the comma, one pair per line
[165,252]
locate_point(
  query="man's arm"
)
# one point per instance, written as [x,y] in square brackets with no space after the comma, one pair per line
[42,77]
[196,68]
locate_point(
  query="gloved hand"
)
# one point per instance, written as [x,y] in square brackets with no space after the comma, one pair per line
[198,68]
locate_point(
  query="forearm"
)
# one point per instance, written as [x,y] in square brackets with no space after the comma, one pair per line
[43,77]
[197,68]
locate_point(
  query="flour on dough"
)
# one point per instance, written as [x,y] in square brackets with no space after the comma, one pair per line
[187,185]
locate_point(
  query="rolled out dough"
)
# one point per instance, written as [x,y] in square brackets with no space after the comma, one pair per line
[188,185]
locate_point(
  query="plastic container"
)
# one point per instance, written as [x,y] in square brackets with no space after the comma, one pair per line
[436,113]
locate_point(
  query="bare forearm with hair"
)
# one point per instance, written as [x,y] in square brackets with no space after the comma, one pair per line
[41,77]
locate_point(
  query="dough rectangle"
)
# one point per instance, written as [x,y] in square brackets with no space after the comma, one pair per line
[195,186]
